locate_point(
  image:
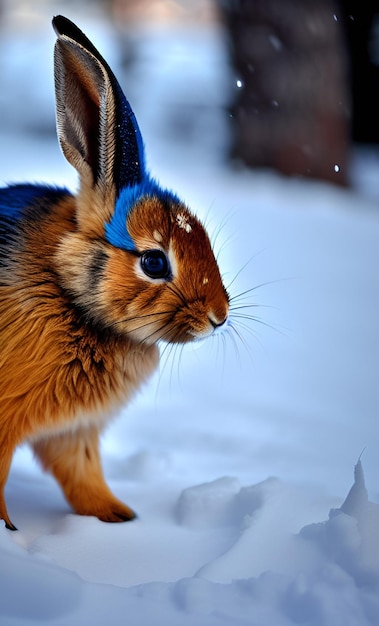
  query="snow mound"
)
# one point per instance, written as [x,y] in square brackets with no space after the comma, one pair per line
[350,537]
[231,557]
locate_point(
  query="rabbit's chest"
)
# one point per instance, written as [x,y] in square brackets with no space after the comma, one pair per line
[98,375]
[59,376]
[96,381]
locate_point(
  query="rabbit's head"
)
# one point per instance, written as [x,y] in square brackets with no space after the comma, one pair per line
[135,259]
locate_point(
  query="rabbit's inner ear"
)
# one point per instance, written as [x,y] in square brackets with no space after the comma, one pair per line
[85,111]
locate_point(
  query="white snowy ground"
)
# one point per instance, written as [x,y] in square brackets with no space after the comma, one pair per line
[239,455]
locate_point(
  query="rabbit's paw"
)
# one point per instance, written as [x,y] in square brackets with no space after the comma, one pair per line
[4,515]
[104,506]
[116,511]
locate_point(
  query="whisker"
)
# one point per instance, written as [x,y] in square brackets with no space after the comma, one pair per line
[157,332]
[258,320]
[247,329]
[220,338]
[259,286]
[244,266]
[165,355]
[224,353]
[219,227]
[177,292]
[222,247]
[137,318]
[167,347]
[177,356]
[208,217]
[238,273]
[250,305]
[216,234]
[233,334]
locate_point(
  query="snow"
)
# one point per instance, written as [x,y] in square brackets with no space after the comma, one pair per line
[239,455]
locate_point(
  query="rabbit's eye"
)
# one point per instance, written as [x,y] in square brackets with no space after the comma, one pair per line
[155,264]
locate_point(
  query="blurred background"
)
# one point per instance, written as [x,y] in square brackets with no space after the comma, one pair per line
[283,84]
[263,115]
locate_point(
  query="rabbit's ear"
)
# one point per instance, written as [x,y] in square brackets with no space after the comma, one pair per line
[97,129]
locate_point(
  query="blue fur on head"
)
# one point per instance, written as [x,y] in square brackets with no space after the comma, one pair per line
[116,231]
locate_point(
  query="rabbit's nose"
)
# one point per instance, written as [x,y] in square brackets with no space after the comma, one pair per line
[217,322]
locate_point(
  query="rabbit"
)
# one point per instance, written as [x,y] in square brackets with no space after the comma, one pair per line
[90,284]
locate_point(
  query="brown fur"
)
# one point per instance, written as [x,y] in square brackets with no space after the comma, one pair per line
[79,319]
[61,379]
[58,375]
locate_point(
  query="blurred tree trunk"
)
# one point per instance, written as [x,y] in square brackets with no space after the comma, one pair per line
[291,109]
[362,35]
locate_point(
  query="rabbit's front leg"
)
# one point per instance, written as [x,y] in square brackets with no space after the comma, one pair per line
[73,459]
